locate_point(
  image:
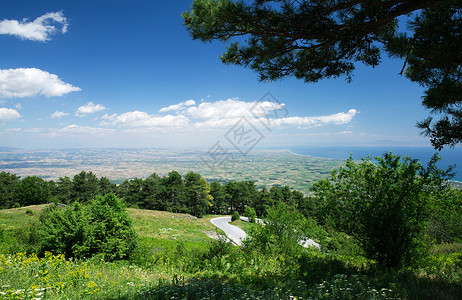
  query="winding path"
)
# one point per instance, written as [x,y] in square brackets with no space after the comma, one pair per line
[237,235]
[234,233]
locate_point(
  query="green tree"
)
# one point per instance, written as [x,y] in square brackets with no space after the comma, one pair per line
[130,191]
[306,205]
[384,203]
[250,213]
[197,194]
[85,186]
[217,191]
[63,190]
[230,191]
[235,216]
[7,185]
[262,202]
[244,195]
[105,186]
[174,193]
[317,39]
[32,190]
[276,195]
[152,191]
[282,231]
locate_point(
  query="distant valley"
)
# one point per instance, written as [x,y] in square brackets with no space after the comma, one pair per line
[265,167]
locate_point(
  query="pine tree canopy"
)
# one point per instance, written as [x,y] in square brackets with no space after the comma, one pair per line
[314,40]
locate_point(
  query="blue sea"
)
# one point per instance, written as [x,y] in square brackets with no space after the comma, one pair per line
[449,156]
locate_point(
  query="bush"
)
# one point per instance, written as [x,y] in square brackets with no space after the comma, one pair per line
[282,231]
[235,216]
[250,213]
[100,227]
[384,203]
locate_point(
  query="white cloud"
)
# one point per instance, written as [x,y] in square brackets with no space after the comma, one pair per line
[26,82]
[13,129]
[89,108]
[231,108]
[345,132]
[309,122]
[35,130]
[18,106]
[58,115]
[143,119]
[80,130]
[222,114]
[8,114]
[178,106]
[38,30]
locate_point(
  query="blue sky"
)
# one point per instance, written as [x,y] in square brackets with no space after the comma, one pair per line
[127,74]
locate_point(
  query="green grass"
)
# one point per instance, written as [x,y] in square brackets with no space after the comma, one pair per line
[242,225]
[176,259]
[171,226]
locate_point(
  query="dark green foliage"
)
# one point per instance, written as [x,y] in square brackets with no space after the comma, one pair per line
[313,40]
[152,191]
[105,186]
[32,190]
[384,203]
[240,194]
[197,192]
[262,202]
[7,184]
[217,191]
[83,230]
[85,186]
[174,193]
[63,190]
[433,56]
[235,216]
[131,191]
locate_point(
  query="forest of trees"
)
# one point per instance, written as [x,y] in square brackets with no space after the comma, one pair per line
[190,193]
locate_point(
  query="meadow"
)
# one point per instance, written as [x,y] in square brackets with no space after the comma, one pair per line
[176,259]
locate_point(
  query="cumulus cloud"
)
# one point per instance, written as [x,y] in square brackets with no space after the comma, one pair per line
[143,119]
[38,30]
[178,106]
[89,108]
[8,114]
[58,115]
[27,82]
[222,114]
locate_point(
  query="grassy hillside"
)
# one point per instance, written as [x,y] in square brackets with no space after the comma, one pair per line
[176,259]
[159,230]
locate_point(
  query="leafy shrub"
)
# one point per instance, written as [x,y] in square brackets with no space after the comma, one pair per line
[250,213]
[235,216]
[100,227]
[445,223]
[385,193]
[282,231]
[29,212]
